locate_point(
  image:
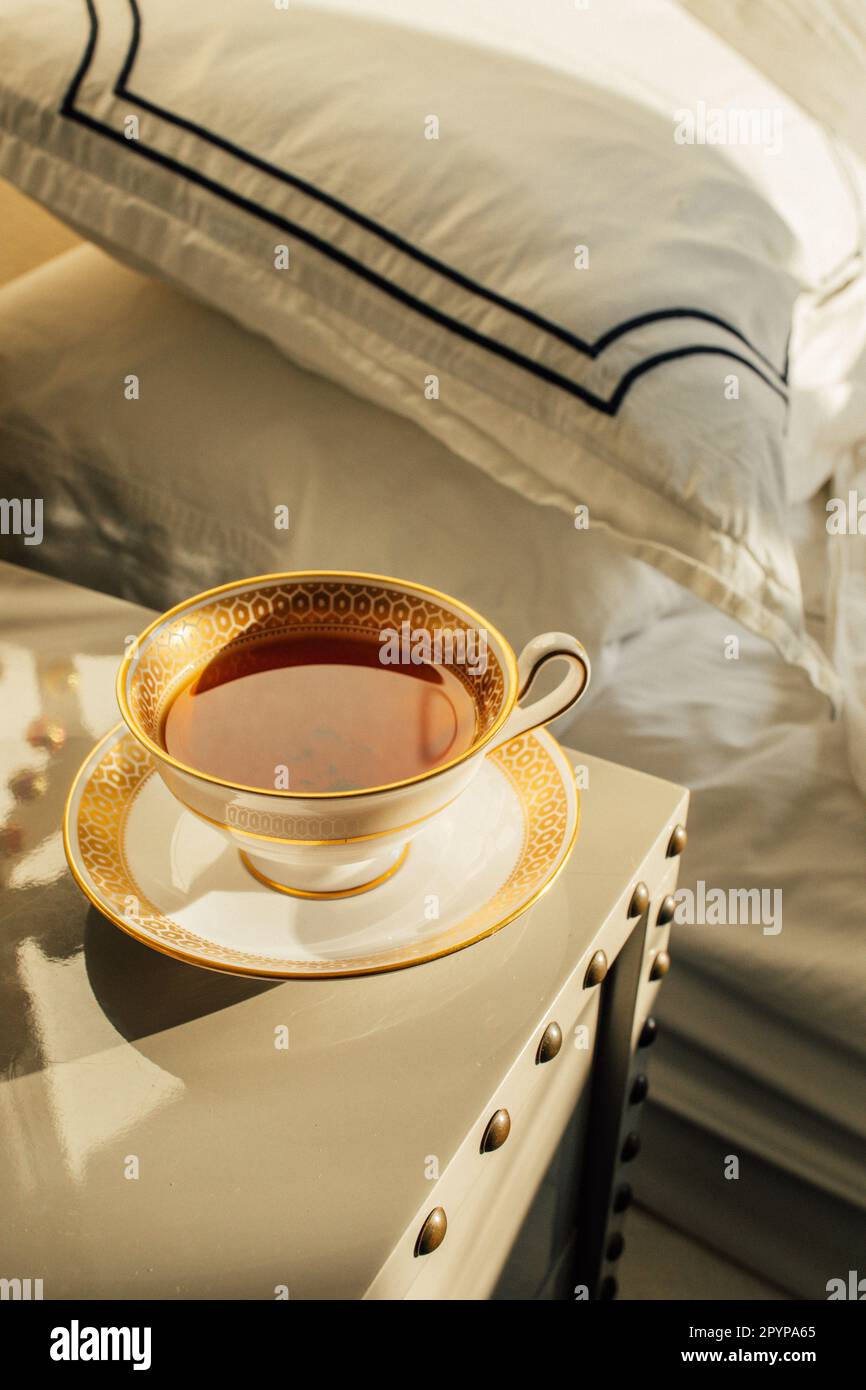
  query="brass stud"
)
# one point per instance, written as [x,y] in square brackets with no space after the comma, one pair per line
[551,1042]
[615,1246]
[639,1090]
[11,839]
[648,1033]
[660,966]
[432,1233]
[596,970]
[59,677]
[623,1197]
[630,1147]
[28,784]
[640,900]
[47,734]
[666,910]
[677,842]
[497,1131]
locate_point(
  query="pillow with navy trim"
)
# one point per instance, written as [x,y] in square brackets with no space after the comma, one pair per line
[498,219]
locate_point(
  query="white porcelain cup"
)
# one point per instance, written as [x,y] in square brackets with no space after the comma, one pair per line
[332,844]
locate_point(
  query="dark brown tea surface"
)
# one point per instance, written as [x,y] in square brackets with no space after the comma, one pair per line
[318,714]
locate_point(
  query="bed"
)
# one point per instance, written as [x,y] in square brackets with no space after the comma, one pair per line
[714,669]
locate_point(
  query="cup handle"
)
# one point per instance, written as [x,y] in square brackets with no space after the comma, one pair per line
[549,646]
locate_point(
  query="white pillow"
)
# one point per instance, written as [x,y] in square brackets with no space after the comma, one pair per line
[440,275]
[158,497]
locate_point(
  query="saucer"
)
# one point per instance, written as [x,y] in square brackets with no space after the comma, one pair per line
[174,883]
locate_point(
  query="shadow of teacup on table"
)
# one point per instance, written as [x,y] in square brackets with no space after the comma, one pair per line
[142,991]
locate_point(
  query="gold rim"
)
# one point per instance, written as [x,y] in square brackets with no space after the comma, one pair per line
[164,756]
[231,968]
[323,896]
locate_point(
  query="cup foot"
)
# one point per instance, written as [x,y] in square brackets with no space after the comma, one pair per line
[324,895]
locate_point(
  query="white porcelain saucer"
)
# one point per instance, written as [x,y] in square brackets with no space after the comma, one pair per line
[174,883]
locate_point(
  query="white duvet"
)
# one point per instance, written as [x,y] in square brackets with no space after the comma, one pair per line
[776,1008]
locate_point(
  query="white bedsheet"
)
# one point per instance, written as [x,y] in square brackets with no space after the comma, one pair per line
[765,1027]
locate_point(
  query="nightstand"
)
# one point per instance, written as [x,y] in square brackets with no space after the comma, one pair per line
[462,1129]
[533,1202]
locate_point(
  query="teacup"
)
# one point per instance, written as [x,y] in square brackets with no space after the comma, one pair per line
[335,843]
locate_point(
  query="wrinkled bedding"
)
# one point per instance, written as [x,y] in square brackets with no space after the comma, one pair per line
[776,1010]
